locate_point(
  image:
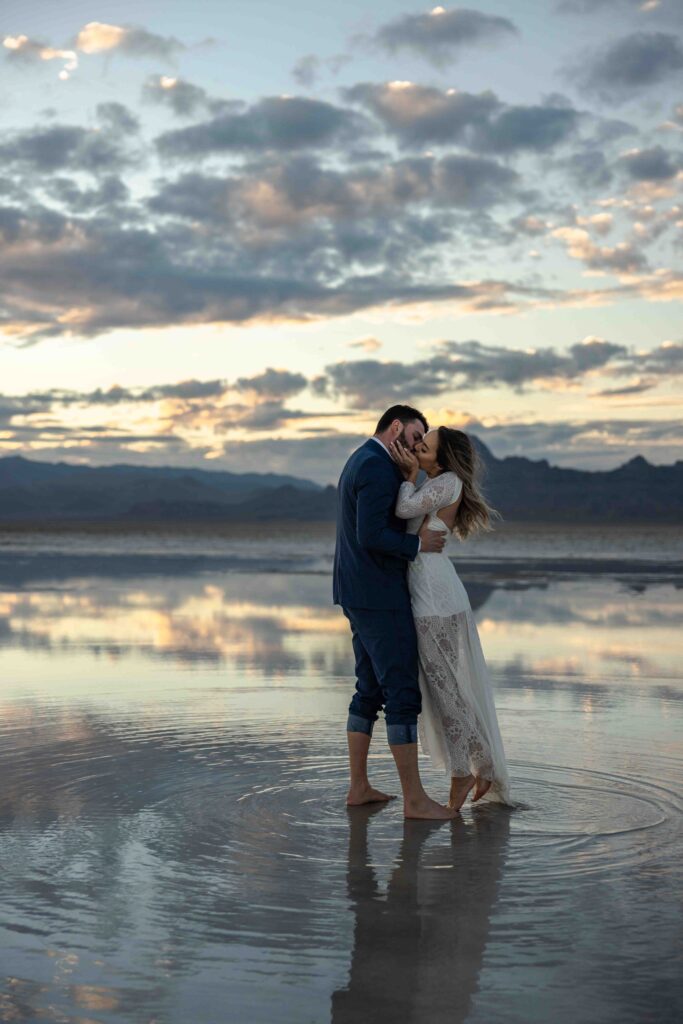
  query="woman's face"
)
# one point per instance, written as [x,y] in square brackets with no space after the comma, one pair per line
[426,451]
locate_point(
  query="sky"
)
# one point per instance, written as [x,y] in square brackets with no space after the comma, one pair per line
[233,234]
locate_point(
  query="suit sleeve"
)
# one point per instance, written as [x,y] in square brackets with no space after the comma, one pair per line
[376,497]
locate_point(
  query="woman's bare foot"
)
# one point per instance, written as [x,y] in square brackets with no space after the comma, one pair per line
[460,787]
[483,786]
[366,794]
[427,810]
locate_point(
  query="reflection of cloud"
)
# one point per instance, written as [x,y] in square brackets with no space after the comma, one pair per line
[189,623]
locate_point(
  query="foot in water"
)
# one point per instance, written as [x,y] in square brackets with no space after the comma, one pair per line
[460,787]
[367,794]
[426,809]
[482,788]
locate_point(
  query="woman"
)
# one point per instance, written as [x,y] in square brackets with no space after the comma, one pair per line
[458,727]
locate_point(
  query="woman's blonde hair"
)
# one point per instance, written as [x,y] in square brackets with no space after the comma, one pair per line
[457,453]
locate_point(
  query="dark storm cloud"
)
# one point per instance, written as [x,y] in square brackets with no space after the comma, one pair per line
[277,123]
[655,164]
[442,35]
[63,147]
[630,64]
[419,115]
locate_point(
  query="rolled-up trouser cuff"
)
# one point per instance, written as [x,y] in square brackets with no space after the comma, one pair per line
[356,723]
[401,733]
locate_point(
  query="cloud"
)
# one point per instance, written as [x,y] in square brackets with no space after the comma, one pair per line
[278,123]
[419,115]
[109,193]
[273,383]
[635,62]
[648,11]
[441,35]
[183,98]
[588,169]
[598,443]
[366,344]
[309,68]
[298,202]
[117,118]
[621,258]
[368,383]
[65,147]
[131,40]
[23,50]
[94,38]
[654,164]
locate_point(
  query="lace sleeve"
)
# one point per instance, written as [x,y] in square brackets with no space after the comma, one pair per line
[432,495]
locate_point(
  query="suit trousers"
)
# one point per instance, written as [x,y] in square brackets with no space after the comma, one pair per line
[385,646]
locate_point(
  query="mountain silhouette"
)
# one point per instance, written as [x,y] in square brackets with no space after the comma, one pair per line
[521,489]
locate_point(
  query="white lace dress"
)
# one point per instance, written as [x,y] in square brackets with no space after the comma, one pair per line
[458,727]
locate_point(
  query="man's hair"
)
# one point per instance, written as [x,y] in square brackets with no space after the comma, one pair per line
[404,413]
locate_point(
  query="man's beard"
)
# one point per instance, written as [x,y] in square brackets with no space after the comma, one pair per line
[402,440]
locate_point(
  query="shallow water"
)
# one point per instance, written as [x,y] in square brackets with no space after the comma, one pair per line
[173,841]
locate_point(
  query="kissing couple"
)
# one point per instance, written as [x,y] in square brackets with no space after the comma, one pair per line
[414,636]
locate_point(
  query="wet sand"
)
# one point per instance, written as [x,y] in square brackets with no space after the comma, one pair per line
[174,844]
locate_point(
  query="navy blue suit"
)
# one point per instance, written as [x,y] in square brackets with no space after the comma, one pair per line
[370,564]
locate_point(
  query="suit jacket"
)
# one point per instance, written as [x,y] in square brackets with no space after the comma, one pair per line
[373,549]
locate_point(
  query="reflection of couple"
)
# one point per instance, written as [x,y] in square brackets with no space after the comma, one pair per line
[413,632]
[418,947]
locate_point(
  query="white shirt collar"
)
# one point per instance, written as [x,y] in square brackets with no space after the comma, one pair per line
[381,444]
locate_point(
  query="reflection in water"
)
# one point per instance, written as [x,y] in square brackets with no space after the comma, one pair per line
[174,844]
[419,947]
[552,629]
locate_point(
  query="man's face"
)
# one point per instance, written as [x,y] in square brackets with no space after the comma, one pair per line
[411,434]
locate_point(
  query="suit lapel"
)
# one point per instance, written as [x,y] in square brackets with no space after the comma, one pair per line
[379,449]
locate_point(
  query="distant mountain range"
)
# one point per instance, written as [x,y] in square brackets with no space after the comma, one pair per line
[521,489]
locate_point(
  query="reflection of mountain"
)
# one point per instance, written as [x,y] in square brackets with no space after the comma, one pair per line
[521,488]
[418,951]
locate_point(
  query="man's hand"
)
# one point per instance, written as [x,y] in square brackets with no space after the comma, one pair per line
[432,542]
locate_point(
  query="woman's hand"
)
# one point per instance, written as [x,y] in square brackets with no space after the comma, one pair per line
[405,460]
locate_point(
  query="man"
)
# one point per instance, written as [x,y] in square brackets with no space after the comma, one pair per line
[370,564]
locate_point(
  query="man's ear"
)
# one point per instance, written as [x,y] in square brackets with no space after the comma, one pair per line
[396,426]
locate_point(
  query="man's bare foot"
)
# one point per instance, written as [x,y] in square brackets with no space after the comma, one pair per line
[460,787]
[427,810]
[366,794]
[483,786]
